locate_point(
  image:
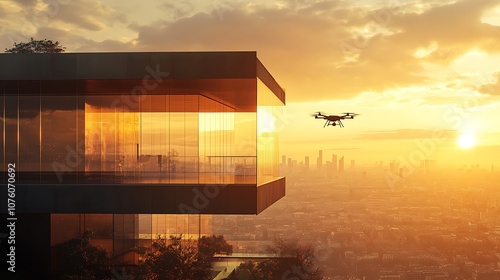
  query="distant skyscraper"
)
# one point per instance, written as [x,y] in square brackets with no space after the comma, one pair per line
[283,160]
[306,162]
[352,163]
[320,160]
[334,162]
[341,165]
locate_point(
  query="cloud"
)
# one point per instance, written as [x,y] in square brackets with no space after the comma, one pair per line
[491,88]
[108,45]
[342,149]
[318,50]
[299,46]
[400,134]
[86,15]
[24,19]
[76,43]
[329,51]
[177,9]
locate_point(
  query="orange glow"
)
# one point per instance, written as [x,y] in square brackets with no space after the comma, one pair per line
[466,141]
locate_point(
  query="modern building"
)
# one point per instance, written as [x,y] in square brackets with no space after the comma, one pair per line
[118,140]
[341,164]
[334,162]
[319,163]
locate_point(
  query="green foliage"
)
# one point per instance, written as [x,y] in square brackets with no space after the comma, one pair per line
[174,258]
[211,245]
[251,270]
[82,260]
[293,261]
[296,260]
[37,46]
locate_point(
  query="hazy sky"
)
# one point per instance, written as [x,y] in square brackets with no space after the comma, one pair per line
[412,69]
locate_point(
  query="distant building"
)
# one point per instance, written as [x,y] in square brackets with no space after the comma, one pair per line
[485,274]
[427,165]
[319,163]
[328,168]
[414,275]
[306,163]
[334,163]
[390,277]
[393,166]
[341,165]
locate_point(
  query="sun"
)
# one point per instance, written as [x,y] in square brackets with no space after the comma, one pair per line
[466,141]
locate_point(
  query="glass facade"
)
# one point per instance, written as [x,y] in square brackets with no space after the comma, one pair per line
[166,139]
[121,234]
[140,134]
[268,123]
[172,139]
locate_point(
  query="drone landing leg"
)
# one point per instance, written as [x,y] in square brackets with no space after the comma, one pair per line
[326,123]
[340,123]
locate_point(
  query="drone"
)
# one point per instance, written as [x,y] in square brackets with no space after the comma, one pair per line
[334,120]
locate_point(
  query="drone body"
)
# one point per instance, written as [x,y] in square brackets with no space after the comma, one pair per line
[334,120]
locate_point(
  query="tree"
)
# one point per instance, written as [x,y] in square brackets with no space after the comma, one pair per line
[174,258]
[293,260]
[82,260]
[296,260]
[211,245]
[251,270]
[37,46]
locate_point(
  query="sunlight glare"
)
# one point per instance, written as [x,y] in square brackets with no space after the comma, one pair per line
[265,121]
[466,141]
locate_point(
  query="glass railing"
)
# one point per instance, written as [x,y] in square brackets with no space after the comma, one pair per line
[157,170]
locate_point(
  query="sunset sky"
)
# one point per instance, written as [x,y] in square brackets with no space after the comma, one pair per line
[422,74]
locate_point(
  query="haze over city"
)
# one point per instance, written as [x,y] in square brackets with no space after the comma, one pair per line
[420,73]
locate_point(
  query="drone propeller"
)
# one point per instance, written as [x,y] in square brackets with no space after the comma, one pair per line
[351,114]
[316,114]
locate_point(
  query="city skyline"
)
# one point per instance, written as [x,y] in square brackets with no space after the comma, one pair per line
[402,162]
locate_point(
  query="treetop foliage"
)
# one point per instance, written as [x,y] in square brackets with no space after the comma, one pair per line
[82,260]
[175,258]
[37,46]
[294,260]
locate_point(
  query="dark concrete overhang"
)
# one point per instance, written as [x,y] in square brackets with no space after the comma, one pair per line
[226,76]
[146,198]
